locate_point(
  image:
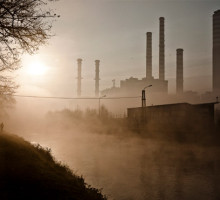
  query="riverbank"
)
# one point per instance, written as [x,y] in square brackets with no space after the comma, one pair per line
[30,172]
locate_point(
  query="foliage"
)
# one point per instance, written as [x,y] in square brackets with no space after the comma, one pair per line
[31,172]
[88,120]
[23,28]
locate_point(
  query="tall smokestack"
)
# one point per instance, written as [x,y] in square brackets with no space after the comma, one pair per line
[149,55]
[161,50]
[79,78]
[97,77]
[179,71]
[216,51]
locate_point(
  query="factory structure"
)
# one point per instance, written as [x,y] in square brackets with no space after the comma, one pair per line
[182,116]
[79,77]
[209,96]
[173,116]
[165,110]
[133,86]
[159,90]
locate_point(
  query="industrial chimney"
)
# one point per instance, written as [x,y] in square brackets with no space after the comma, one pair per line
[97,77]
[149,55]
[161,50]
[79,78]
[216,51]
[179,71]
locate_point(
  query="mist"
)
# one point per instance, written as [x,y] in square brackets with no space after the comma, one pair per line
[158,60]
[126,164]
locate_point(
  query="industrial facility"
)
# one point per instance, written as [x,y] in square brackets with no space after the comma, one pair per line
[171,116]
[181,115]
[79,77]
[133,86]
[159,90]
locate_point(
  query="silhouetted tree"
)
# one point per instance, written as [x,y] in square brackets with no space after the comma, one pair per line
[24,26]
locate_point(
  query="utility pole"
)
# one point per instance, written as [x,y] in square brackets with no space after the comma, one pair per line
[143,96]
[100,104]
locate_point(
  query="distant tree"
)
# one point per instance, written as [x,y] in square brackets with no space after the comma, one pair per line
[24,26]
[104,113]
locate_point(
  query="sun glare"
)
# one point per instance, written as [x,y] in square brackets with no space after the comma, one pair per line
[37,68]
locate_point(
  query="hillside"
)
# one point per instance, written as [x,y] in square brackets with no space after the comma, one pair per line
[30,172]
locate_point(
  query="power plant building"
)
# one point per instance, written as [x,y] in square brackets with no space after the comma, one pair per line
[133,86]
[176,115]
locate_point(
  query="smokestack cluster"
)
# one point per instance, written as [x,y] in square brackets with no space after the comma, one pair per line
[149,55]
[179,58]
[97,78]
[179,71]
[161,50]
[79,77]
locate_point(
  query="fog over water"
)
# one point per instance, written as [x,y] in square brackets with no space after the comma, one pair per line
[90,133]
[127,165]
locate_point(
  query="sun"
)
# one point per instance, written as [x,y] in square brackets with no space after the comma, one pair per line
[37,68]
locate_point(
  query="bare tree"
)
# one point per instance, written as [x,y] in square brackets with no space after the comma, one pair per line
[24,26]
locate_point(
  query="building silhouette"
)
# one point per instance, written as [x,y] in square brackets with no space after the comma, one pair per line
[133,86]
[178,115]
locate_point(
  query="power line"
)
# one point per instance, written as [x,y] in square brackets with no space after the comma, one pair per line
[71,98]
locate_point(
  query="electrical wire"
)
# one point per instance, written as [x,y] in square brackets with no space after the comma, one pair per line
[71,98]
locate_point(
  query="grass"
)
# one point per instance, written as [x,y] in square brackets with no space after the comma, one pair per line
[30,172]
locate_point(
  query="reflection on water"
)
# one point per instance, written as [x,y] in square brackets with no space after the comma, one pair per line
[129,168]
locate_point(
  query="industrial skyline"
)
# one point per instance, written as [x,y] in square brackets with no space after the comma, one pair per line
[101,31]
[125,94]
[132,86]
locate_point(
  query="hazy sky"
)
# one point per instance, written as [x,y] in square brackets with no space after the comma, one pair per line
[114,31]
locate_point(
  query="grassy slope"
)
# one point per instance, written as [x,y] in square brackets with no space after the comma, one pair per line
[28,172]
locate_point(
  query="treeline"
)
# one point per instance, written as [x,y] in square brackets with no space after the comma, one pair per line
[88,120]
[104,122]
